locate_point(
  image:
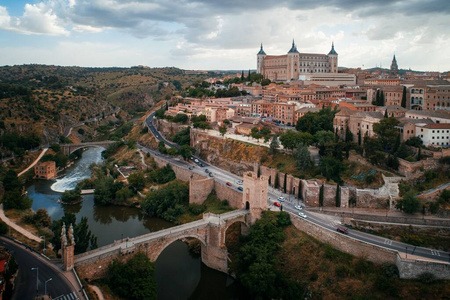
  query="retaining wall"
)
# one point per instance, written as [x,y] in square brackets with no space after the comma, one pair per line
[409,268]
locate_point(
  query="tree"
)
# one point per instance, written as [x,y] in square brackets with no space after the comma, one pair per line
[103,192]
[137,181]
[162,147]
[133,279]
[315,121]
[186,151]
[359,138]
[348,135]
[338,195]
[419,154]
[11,182]
[290,139]
[277,180]
[387,133]
[404,97]
[242,75]
[410,203]
[274,145]
[15,199]
[160,113]
[323,137]
[71,196]
[222,130]
[180,118]
[303,157]
[285,183]
[83,237]
[227,122]
[123,194]
[331,168]
[321,192]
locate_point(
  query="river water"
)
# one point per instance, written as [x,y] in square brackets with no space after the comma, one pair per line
[179,274]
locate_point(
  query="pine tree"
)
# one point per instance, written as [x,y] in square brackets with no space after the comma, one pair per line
[404,97]
[338,195]
[321,196]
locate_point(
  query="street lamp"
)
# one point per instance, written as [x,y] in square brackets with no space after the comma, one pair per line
[45,286]
[43,236]
[37,278]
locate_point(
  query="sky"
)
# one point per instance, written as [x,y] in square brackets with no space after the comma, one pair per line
[223,34]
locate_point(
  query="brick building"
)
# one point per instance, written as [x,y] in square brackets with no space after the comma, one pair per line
[45,170]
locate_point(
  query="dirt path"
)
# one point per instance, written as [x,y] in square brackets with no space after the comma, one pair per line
[34,162]
[16,227]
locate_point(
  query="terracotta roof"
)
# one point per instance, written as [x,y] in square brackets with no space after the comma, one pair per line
[438,126]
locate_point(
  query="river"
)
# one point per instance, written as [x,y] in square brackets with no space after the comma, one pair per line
[179,274]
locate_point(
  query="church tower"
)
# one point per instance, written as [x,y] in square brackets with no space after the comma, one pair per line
[260,60]
[394,67]
[333,59]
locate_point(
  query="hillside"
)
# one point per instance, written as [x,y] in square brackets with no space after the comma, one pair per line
[47,100]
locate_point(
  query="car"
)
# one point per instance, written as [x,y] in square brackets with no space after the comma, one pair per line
[281,199]
[206,171]
[210,174]
[240,188]
[298,207]
[228,183]
[302,215]
[239,182]
[202,165]
[196,160]
[342,230]
[191,167]
[277,204]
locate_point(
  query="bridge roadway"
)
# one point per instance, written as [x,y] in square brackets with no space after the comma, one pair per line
[129,243]
[324,221]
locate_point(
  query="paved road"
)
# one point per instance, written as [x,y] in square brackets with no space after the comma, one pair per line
[34,162]
[26,279]
[322,220]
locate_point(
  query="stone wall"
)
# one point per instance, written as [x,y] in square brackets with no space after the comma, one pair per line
[168,128]
[182,173]
[199,189]
[233,196]
[345,243]
[409,268]
[407,168]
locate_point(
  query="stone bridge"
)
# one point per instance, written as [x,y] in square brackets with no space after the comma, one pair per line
[210,231]
[70,148]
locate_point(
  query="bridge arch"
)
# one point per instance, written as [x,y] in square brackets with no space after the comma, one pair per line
[164,243]
[72,150]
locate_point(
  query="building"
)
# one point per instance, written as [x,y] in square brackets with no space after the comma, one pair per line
[436,117]
[434,134]
[290,66]
[45,170]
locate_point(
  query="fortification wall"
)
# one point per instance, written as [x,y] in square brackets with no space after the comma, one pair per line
[409,268]
[199,189]
[168,128]
[345,243]
[233,196]
[182,173]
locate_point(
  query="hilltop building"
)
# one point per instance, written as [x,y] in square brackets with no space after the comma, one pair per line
[394,67]
[292,65]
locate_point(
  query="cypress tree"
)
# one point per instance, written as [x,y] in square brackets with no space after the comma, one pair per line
[300,189]
[419,154]
[277,180]
[321,196]
[381,98]
[285,183]
[359,138]
[270,182]
[386,114]
[248,74]
[259,171]
[348,135]
[338,195]
[404,97]
[242,75]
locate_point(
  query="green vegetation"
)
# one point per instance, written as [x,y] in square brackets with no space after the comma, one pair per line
[13,196]
[84,238]
[313,122]
[106,190]
[71,196]
[163,175]
[39,219]
[409,203]
[133,279]
[112,149]
[200,122]
[257,265]
[168,202]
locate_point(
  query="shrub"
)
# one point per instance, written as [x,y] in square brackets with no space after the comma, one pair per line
[196,209]
[391,270]
[427,277]
[3,227]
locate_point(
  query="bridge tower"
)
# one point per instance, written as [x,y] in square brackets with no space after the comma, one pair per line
[255,194]
[68,248]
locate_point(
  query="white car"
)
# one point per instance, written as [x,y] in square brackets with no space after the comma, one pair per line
[239,182]
[196,160]
[281,199]
[298,207]
[302,215]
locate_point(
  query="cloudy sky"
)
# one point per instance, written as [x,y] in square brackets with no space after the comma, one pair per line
[223,34]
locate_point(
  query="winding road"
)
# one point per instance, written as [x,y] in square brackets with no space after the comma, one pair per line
[324,221]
